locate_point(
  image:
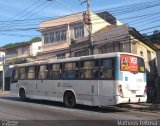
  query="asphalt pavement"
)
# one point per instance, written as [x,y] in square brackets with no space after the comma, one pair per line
[40,112]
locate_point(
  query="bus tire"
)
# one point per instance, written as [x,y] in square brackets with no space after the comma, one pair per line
[69,99]
[22,94]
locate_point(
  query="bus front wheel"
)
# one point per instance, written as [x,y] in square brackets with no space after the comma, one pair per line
[69,100]
[22,94]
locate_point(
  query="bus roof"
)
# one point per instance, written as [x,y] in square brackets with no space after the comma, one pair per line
[89,57]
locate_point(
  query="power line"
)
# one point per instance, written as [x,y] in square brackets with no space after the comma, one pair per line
[23,10]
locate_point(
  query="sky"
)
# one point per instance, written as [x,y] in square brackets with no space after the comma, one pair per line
[20,19]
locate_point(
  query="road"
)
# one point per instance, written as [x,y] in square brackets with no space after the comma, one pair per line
[47,111]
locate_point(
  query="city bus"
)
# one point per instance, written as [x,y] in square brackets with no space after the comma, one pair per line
[94,80]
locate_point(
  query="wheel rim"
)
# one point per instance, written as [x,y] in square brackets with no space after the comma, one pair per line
[69,100]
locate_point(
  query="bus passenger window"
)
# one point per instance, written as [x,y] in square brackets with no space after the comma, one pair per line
[141,65]
[70,71]
[86,70]
[15,75]
[107,69]
[96,70]
[42,73]
[31,72]
[55,71]
[22,73]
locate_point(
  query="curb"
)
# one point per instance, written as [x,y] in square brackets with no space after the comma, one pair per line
[144,108]
[4,93]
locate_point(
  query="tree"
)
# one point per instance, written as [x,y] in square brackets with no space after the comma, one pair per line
[156,32]
[154,38]
[36,39]
[10,45]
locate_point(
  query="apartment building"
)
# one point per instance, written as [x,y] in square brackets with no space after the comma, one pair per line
[58,34]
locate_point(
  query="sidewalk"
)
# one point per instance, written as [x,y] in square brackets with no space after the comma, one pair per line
[4,93]
[148,107]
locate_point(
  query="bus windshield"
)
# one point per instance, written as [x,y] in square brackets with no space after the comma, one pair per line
[131,63]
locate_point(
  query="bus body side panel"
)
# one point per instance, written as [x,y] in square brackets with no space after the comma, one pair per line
[29,86]
[14,89]
[83,89]
[106,93]
[53,90]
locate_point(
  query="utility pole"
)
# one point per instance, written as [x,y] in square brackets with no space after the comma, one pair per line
[89,23]
[3,63]
[90,29]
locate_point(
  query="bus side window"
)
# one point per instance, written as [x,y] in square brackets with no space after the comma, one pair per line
[107,69]
[15,75]
[22,72]
[86,70]
[55,71]
[43,71]
[31,72]
[70,71]
[96,70]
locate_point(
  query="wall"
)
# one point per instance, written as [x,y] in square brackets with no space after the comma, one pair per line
[138,47]
[158,62]
[35,48]
[112,34]
[2,54]
[97,23]
[11,53]
[24,53]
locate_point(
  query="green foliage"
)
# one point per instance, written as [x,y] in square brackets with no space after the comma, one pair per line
[155,37]
[36,39]
[19,60]
[10,45]
[73,41]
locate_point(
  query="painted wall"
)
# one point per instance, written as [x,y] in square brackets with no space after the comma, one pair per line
[35,48]
[158,62]
[2,54]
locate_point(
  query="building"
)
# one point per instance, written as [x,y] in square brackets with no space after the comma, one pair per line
[2,55]
[158,69]
[22,53]
[58,34]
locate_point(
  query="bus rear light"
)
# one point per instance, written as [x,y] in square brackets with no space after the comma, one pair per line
[145,90]
[120,90]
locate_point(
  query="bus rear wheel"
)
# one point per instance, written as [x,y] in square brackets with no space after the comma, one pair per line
[22,94]
[69,100]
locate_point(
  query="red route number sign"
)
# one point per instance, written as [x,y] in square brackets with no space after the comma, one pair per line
[129,63]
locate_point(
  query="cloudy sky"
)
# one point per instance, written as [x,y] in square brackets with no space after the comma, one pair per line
[20,19]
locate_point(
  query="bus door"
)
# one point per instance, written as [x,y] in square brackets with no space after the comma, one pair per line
[107,75]
[14,81]
[42,75]
[30,83]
